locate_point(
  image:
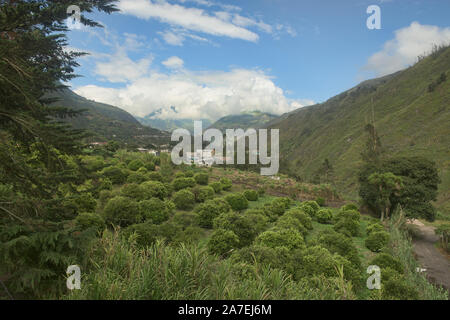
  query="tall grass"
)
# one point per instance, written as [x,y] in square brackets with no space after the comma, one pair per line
[401,247]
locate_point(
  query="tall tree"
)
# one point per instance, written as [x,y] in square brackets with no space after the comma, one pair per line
[36,147]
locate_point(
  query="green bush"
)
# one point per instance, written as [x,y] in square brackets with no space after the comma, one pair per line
[347,214]
[289,222]
[154,176]
[222,242]
[347,226]
[189,174]
[324,216]
[133,191]
[320,201]
[135,165]
[337,243]
[288,238]
[312,204]
[154,210]
[145,233]
[377,240]
[104,196]
[136,177]
[86,220]
[180,174]
[278,257]
[201,178]
[86,202]
[385,260]
[105,184]
[397,288]
[226,184]
[349,207]
[184,199]
[245,226]
[183,183]
[208,211]
[121,211]
[154,189]
[203,193]
[251,195]
[374,227]
[115,174]
[237,201]
[217,186]
[298,214]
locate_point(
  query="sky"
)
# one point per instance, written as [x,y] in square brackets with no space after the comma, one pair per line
[197,59]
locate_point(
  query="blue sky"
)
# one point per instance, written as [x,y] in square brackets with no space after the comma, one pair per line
[210,58]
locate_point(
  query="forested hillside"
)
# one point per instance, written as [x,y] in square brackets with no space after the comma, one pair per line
[411,113]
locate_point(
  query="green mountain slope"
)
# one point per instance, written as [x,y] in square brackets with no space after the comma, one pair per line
[245,120]
[107,122]
[410,119]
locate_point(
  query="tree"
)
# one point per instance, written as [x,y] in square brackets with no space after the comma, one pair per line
[37,150]
[387,185]
[374,149]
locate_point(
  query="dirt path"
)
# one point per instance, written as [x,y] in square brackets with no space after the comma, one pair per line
[430,258]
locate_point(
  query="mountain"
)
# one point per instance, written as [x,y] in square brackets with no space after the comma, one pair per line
[107,122]
[245,120]
[411,112]
[169,125]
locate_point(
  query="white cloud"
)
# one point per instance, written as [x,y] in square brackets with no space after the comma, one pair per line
[408,44]
[120,68]
[196,95]
[173,63]
[172,38]
[193,19]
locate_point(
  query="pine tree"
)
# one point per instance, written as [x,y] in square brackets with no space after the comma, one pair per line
[38,152]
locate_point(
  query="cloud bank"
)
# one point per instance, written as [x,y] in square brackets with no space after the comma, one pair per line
[408,44]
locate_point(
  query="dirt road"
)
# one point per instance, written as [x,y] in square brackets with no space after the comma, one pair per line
[437,265]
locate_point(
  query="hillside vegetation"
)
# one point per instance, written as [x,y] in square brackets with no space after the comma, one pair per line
[245,120]
[410,110]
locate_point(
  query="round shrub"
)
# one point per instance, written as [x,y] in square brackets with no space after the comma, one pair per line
[284,201]
[289,222]
[203,193]
[145,233]
[136,177]
[298,214]
[348,214]
[251,195]
[374,227]
[121,211]
[320,201]
[105,184]
[86,203]
[397,288]
[153,210]
[217,186]
[201,178]
[309,210]
[336,242]
[347,226]
[104,196]
[115,174]
[189,174]
[184,199]
[133,191]
[377,240]
[288,238]
[183,183]
[311,204]
[385,260]
[150,166]
[237,201]
[135,165]
[226,184]
[208,211]
[245,226]
[86,220]
[154,189]
[180,174]
[222,242]
[324,216]
[275,257]
[154,176]
[349,207]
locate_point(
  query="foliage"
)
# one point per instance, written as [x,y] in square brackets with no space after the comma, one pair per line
[203,193]
[201,178]
[217,186]
[222,242]
[183,183]
[251,195]
[154,189]
[206,212]
[154,210]
[121,211]
[298,214]
[226,184]
[237,201]
[184,199]
[287,238]
[324,216]
[86,220]
[377,240]
[347,226]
